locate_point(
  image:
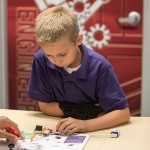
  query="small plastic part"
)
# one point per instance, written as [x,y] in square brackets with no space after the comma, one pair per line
[38,129]
[115,132]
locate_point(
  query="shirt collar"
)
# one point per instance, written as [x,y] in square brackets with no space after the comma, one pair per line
[82,71]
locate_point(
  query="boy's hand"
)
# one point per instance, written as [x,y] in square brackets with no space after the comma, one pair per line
[9,129]
[69,125]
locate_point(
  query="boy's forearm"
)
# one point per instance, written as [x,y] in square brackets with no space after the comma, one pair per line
[108,120]
[51,109]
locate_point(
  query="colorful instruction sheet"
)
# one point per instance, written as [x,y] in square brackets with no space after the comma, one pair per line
[49,142]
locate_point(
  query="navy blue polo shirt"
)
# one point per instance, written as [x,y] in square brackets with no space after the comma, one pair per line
[94,82]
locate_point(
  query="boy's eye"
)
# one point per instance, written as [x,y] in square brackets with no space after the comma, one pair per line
[49,56]
[62,54]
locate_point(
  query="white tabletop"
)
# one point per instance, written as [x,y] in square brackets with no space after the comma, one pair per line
[133,136]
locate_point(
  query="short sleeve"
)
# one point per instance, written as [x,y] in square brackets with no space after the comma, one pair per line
[110,94]
[39,87]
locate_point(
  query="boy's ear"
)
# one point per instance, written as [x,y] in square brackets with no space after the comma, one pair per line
[79,39]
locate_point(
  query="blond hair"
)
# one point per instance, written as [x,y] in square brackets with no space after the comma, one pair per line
[54,23]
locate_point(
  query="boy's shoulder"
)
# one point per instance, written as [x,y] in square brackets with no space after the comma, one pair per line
[39,53]
[40,56]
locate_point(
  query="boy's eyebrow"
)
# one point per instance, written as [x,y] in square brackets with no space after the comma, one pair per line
[48,54]
[57,54]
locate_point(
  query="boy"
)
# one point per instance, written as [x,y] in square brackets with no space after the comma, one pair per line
[68,78]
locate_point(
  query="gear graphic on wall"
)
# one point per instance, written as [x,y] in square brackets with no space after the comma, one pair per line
[98,29]
[81,15]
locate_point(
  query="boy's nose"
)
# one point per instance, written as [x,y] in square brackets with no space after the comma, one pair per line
[56,61]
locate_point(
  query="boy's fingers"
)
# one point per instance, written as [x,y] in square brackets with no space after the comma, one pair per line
[9,136]
[61,122]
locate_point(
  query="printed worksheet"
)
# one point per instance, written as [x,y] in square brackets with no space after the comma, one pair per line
[50,142]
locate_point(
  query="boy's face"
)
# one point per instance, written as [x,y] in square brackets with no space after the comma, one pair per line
[64,53]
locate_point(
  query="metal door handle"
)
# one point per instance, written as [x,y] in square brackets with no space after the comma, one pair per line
[133,19]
